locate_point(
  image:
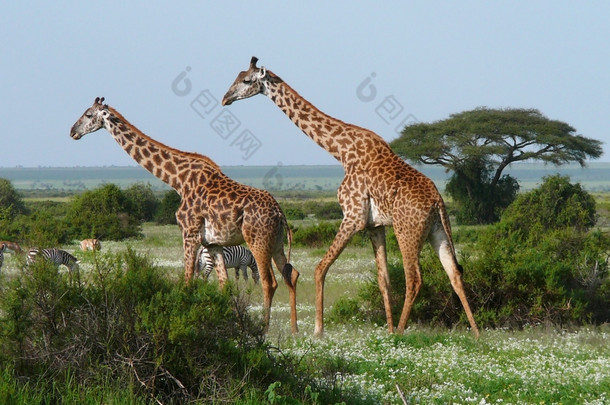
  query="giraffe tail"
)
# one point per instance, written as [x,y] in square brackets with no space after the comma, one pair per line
[442,212]
[288,272]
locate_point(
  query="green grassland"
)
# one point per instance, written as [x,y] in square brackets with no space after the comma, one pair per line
[540,364]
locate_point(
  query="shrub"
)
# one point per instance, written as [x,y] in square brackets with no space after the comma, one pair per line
[129,327]
[323,209]
[293,211]
[10,200]
[317,235]
[102,213]
[142,201]
[166,212]
[41,228]
[555,204]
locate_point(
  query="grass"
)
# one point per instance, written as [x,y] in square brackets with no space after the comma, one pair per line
[430,366]
[439,367]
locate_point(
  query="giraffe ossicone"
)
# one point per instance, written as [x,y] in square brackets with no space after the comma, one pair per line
[379,189]
[215,210]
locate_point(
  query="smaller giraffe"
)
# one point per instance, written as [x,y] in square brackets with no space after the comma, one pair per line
[215,210]
[90,244]
[14,246]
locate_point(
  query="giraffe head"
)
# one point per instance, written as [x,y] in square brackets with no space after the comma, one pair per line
[247,84]
[91,120]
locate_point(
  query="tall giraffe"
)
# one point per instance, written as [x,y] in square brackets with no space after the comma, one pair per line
[215,210]
[379,189]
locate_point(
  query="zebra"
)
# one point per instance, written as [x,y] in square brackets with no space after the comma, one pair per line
[55,256]
[237,257]
[2,249]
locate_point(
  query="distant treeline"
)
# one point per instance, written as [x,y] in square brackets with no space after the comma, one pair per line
[595,177]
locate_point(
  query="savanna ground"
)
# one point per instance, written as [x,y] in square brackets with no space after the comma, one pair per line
[540,364]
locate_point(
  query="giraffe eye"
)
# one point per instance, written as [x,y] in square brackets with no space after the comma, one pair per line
[88,115]
[247,81]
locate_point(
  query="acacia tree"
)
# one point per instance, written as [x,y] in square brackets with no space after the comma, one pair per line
[478,145]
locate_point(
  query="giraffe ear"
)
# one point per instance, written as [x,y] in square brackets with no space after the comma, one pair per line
[261,72]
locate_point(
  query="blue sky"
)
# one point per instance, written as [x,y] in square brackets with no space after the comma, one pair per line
[377,65]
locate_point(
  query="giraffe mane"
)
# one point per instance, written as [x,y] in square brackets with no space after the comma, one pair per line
[161,145]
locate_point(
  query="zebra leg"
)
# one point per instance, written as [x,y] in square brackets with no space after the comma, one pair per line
[255,276]
[244,271]
[75,268]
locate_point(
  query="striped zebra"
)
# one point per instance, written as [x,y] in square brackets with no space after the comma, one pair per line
[55,256]
[237,257]
[2,249]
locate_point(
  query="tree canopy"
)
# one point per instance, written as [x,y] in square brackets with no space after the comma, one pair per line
[478,145]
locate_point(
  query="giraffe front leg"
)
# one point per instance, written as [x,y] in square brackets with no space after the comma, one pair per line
[191,241]
[346,231]
[191,246]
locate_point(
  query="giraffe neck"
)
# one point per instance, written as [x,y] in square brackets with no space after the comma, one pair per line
[170,165]
[330,133]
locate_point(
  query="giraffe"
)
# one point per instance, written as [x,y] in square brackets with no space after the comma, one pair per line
[215,210]
[90,244]
[379,189]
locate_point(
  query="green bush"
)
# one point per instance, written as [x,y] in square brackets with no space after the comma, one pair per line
[556,204]
[323,210]
[142,201]
[323,234]
[42,226]
[293,211]
[102,213]
[166,212]
[316,236]
[129,332]
[10,200]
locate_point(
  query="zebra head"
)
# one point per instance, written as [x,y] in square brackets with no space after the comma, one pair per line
[91,120]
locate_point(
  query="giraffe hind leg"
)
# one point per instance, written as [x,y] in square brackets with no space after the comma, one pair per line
[268,282]
[410,239]
[441,244]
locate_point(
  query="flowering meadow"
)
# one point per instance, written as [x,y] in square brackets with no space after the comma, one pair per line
[534,366]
